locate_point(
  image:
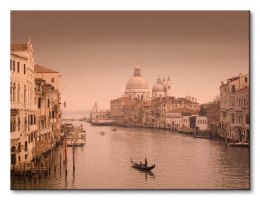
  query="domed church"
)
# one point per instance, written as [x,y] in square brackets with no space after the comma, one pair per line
[136,86]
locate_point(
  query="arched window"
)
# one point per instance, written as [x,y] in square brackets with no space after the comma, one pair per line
[11,124]
[13,155]
[14,129]
[14,92]
[25,121]
[11,91]
[18,94]
[31,94]
[24,94]
[19,123]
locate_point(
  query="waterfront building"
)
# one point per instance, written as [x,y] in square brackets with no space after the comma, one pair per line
[162,105]
[35,106]
[47,111]
[173,119]
[147,113]
[186,123]
[49,75]
[212,111]
[136,86]
[98,115]
[50,97]
[235,108]
[136,108]
[23,121]
[133,113]
[202,123]
[118,109]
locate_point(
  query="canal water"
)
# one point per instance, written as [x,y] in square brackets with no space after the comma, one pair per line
[182,162]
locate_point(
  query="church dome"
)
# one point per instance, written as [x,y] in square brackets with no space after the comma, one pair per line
[158,86]
[136,82]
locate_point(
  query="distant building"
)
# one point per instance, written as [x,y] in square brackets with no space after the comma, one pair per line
[118,107]
[235,108]
[212,111]
[99,115]
[137,108]
[173,119]
[147,113]
[160,106]
[202,123]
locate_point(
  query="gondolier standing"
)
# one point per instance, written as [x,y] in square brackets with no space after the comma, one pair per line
[145,162]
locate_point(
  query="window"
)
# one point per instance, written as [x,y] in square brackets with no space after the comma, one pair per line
[24,68]
[25,156]
[19,148]
[232,118]
[18,94]
[246,79]
[24,94]
[233,88]
[13,65]
[247,118]
[52,80]
[18,67]
[25,146]
[39,102]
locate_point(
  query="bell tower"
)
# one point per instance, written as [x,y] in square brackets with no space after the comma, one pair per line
[168,87]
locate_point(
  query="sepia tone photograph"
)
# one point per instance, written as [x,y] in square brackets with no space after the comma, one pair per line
[130,100]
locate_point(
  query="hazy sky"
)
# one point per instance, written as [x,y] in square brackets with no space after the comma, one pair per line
[96,52]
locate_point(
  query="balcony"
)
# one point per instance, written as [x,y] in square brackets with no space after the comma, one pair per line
[32,128]
[16,106]
[27,106]
[15,135]
[45,131]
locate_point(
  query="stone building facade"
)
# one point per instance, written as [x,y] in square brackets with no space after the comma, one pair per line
[23,126]
[27,120]
[235,108]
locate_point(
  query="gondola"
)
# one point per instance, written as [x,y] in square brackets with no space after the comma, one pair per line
[142,167]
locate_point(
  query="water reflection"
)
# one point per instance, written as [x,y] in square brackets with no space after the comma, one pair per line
[182,162]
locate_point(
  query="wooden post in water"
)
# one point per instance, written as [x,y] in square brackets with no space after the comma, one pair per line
[65,157]
[226,138]
[60,162]
[50,164]
[73,151]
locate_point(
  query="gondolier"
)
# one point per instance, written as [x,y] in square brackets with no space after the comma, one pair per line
[141,166]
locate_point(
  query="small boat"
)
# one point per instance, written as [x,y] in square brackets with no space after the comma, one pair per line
[142,167]
[114,129]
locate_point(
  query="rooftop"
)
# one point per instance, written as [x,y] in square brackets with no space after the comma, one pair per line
[42,69]
[19,47]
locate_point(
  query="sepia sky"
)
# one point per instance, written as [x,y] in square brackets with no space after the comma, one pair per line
[96,52]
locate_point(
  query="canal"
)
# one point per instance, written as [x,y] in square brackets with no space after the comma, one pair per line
[182,162]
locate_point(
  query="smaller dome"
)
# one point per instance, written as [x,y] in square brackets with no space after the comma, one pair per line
[159,86]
